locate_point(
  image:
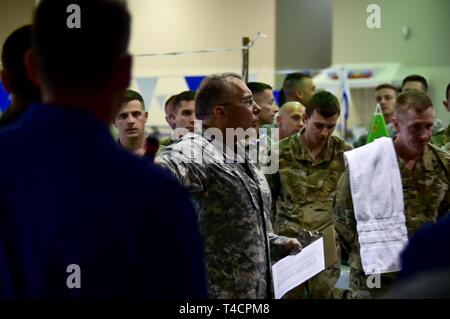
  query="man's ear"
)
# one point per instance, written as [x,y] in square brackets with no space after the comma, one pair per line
[305,118]
[31,67]
[299,94]
[219,112]
[446,105]
[146,116]
[278,120]
[5,81]
[396,123]
[171,116]
[168,120]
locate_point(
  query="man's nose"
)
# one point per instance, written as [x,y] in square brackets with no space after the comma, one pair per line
[130,120]
[425,135]
[256,108]
[325,132]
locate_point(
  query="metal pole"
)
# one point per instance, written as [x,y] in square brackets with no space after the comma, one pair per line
[245,58]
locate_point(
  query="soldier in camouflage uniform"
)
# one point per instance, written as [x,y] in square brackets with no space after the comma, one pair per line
[311,163]
[232,197]
[443,137]
[425,175]
[170,119]
[419,83]
[386,95]
[182,116]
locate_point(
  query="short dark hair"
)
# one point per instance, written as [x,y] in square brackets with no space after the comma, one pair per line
[258,87]
[131,95]
[412,100]
[183,96]
[213,90]
[416,78]
[292,82]
[387,86]
[168,101]
[324,103]
[447,91]
[281,97]
[72,58]
[13,53]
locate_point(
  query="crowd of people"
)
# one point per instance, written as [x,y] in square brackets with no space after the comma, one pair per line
[194,216]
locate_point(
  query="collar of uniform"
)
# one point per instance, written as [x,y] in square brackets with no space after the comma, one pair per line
[426,162]
[303,154]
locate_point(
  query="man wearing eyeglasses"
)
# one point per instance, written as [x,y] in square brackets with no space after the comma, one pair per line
[424,174]
[231,195]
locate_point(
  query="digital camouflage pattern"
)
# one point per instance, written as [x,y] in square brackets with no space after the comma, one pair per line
[234,215]
[163,145]
[303,191]
[426,197]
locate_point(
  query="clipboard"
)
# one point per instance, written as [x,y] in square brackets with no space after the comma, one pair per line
[306,237]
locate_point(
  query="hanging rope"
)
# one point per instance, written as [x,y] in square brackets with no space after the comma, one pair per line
[258,36]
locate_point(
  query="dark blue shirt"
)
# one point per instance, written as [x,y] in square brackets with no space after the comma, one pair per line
[428,249]
[70,195]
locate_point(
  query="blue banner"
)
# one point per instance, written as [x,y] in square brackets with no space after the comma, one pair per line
[193,82]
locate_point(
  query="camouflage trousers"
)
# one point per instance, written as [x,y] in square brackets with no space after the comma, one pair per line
[368,287]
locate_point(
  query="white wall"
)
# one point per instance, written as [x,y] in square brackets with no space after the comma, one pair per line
[303,39]
[14,14]
[189,25]
[426,52]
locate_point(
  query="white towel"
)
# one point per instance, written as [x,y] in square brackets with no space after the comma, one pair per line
[377,194]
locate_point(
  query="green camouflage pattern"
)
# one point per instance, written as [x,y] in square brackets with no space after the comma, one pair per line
[304,188]
[426,197]
[303,191]
[441,138]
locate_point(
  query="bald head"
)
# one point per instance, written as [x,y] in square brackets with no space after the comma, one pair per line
[291,107]
[290,118]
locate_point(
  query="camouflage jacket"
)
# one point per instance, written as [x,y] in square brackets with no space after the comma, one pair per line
[163,145]
[304,188]
[233,210]
[426,197]
[441,138]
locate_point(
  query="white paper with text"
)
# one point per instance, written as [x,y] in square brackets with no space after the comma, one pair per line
[291,271]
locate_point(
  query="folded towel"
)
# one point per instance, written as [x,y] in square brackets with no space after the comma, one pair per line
[377,193]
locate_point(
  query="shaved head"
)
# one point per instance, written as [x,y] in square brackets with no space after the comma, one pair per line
[291,107]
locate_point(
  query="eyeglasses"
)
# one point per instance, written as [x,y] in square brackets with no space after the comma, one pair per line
[248,103]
